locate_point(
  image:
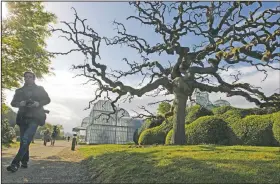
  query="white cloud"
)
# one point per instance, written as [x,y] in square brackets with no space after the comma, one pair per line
[254,78]
[63,85]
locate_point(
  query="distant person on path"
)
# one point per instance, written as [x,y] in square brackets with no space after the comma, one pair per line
[30,100]
[68,138]
[54,134]
[47,136]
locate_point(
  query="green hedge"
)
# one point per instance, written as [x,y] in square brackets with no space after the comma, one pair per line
[255,130]
[169,137]
[156,135]
[222,110]
[229,111]
[276,126]
[149,123]
[235,116]
[196,112]
[207,129]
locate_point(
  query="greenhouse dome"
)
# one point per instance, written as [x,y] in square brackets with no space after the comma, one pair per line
[221,102]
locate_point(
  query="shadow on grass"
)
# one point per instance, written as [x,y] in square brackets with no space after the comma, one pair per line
[132,167]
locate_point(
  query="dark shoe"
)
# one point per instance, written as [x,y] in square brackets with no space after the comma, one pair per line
[24,165]
[12,168]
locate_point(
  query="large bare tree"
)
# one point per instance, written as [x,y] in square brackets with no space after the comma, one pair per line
[234,33]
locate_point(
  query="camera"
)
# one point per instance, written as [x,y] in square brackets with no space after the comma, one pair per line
[29,102]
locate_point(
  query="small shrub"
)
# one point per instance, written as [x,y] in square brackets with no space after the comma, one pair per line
[209,130]
[255,130]
[7,132]
[156,135]
[149,123]
[196,112]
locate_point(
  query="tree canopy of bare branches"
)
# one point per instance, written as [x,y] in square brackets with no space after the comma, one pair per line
[230,38]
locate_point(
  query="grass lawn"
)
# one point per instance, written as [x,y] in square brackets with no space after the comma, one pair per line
[182,164]
[14,144]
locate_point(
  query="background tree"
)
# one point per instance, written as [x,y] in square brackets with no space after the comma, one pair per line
[10,115]
[42,129]
[233,33]
[163,108]
[24,32]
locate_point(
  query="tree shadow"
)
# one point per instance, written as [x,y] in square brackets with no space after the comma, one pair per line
[131,167]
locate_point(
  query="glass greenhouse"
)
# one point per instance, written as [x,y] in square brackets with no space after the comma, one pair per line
[119,129]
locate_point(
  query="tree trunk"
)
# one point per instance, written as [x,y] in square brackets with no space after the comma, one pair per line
[179,136]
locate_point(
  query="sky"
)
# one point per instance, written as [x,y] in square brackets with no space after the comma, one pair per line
[69,97]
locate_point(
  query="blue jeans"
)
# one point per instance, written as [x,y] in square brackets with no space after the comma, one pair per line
[27,131]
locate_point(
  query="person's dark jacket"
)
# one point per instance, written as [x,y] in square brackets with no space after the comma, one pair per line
[34,93]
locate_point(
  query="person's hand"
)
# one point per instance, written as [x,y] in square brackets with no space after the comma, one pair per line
[35,104]
[22,103]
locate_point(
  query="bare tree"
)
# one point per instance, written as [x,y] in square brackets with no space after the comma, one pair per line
[230,38]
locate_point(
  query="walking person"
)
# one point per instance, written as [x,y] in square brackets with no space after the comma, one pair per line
[30,100]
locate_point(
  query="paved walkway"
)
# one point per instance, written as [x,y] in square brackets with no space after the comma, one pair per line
[48,164]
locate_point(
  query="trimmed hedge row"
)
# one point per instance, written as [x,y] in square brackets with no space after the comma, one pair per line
[255,130]
[242,112]
[228,126]
[157,134]
[207,129]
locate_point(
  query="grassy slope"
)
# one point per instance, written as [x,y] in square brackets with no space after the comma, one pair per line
[175,164]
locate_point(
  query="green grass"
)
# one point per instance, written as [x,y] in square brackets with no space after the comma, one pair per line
[13,144]
[182,164]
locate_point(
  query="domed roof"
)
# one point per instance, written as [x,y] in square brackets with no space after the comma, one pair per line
[221,102]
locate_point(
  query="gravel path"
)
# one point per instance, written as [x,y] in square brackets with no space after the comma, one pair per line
[48,164]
